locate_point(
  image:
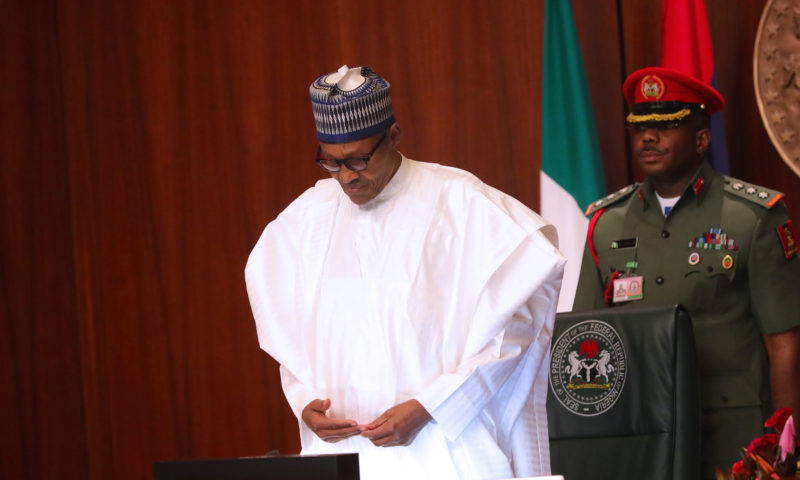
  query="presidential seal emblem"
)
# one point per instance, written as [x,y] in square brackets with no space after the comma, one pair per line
[588,368]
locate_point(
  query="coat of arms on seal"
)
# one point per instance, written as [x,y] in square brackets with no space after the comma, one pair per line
[588,368]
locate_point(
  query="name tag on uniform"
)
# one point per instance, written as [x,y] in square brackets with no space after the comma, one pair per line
[627,289]
[625,243]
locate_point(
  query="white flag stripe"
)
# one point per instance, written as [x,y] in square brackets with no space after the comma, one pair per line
[560,208]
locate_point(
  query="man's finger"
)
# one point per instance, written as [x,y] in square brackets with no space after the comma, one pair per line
[377,422]
[334,435]
[322,422]
[374,431]
[320,405]
[383,437]
[381,433]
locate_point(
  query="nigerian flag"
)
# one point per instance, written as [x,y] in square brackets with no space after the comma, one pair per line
[572,173]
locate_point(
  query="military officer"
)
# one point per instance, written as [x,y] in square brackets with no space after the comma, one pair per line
[723,248]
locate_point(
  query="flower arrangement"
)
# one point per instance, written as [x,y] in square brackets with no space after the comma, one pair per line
[771,456]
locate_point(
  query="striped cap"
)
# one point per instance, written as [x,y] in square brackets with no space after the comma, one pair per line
[351,104]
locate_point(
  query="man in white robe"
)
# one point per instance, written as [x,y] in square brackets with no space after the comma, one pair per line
[409,305]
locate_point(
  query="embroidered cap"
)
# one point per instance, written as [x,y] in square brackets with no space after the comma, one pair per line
[351,104]
[658,94]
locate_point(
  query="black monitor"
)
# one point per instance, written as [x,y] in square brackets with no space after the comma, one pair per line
[288,467]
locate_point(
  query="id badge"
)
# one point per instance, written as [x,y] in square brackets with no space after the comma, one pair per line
[627,289]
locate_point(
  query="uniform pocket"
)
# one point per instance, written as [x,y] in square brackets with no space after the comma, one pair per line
[707,273]
[712,263]
[733,390]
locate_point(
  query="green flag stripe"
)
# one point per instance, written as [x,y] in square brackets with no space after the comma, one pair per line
[570,152]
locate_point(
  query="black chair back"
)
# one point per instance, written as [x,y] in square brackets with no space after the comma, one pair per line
[624,400]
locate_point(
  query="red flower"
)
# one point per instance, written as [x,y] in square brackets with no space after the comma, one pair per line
[778,419]
[767,441]
[739,467]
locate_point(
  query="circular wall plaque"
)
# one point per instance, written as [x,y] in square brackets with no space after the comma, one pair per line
[776,70]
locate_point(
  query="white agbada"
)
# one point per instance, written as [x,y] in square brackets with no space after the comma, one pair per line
[441,289]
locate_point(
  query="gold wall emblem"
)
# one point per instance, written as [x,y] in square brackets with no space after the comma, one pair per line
[776,71]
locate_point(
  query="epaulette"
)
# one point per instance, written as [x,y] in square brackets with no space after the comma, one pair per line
[759,195]
[615,197]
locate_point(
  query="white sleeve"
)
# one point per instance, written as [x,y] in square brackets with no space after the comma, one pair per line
[297,394]
[521,295]
[272,276]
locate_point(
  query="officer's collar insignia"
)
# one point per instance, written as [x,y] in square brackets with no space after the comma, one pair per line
[774,199]
[714,239]
[588,368]
[788,239]
[698,186]
[652,88]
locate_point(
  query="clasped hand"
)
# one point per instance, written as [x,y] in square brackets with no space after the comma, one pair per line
[396,426]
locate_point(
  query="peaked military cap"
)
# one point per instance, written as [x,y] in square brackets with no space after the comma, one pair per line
[658,94]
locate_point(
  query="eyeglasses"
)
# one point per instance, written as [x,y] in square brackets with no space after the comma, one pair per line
[355,164]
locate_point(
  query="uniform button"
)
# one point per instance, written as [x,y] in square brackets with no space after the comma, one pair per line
[613,269]
[710,268]
[659,280]
[664,234]
[724,399]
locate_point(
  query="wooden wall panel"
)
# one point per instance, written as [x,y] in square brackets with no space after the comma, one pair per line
[158,148]
[42,430]
[150,142]
[597,24]
[641,33]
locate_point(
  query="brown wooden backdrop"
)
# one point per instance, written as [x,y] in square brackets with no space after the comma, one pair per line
[146,143]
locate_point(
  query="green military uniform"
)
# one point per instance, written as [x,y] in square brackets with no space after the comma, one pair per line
[722,253]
